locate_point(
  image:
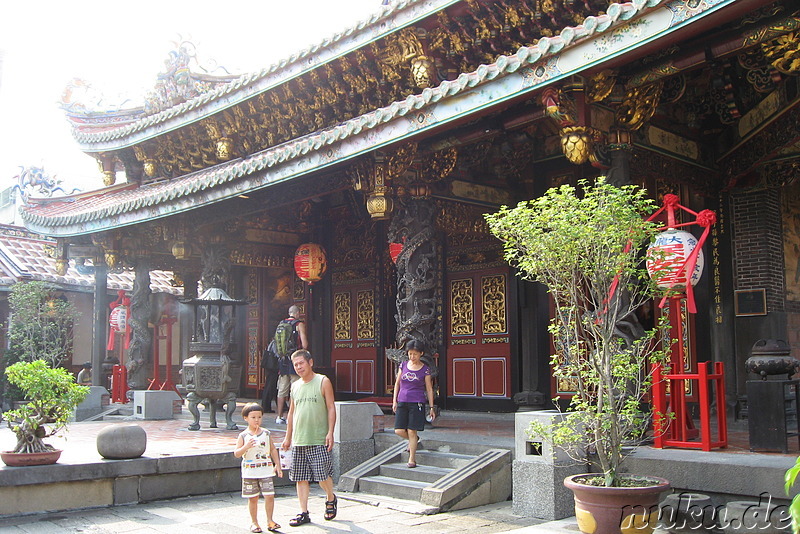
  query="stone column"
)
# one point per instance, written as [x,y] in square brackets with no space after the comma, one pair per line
[99,323]
[418,277]
[142,338]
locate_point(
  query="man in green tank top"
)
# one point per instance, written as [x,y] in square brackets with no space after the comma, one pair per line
[309,432]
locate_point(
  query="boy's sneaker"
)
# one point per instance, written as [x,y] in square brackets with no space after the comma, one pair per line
[280,421]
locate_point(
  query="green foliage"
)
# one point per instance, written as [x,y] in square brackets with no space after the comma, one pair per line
[794,508]
[586,248]
[41,326]
[52,395]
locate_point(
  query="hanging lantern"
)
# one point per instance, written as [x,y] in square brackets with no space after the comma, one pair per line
[394,251]
[668,259]
[577,143]
[310,262]
[182,250]
[119,319]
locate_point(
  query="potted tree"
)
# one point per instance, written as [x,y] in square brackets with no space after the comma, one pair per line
[586,247]
[52,395]
[40,339]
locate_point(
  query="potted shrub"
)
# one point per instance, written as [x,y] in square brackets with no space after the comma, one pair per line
[40,339]
[52,395]
[587,248]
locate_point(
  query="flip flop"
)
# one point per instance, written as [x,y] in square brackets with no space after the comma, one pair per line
[274,527]
[255,528]
[411,465]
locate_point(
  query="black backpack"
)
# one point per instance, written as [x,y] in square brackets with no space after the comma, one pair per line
[286,337]
[269,359]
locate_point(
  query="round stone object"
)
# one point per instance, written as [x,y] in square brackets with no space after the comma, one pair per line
[122,441]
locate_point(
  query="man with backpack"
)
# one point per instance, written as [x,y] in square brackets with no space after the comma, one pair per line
[290,335]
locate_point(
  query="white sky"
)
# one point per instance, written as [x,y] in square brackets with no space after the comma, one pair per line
[119,47]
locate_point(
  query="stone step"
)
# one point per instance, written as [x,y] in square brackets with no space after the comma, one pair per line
[422,473]
[403,505]
[384,440]
[447,460]
[393,487]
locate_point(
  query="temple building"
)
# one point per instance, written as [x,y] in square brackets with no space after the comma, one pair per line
[383,146]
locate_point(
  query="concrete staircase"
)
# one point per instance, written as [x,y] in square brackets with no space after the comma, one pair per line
[449,476]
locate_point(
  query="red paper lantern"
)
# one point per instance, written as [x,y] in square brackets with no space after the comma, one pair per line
[394,251]
[310,262]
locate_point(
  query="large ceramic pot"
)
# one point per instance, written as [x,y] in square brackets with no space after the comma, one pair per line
[22,459]
[627,510]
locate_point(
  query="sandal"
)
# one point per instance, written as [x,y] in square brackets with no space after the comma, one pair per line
[255,528]
[411,465]
[301,519]
[274,527]
[330,508]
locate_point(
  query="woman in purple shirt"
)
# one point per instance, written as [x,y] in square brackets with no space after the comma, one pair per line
[413,385]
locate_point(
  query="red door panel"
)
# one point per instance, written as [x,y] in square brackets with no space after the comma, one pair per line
[478,350]
[354,339]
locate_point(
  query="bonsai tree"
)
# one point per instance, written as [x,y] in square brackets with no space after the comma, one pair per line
[586,248]
[52,395]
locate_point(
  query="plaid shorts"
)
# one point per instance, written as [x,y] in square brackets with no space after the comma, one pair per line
[311,462]
[257,487]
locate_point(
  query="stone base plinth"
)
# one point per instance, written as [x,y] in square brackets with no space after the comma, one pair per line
[538,489]
[154,404]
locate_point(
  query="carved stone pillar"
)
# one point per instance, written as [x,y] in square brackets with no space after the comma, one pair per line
[141,339]
[99,323]
[418,276]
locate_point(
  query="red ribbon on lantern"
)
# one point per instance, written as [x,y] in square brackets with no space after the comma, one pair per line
[120,313]
[395,249]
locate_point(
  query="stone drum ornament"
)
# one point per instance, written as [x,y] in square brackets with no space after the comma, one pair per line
[122,442]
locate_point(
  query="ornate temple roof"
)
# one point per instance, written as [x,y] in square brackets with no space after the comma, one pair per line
[222,96]
[574,49]
[23,257]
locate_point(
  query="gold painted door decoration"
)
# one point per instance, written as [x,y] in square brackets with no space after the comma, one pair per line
[354,339]
[478,352]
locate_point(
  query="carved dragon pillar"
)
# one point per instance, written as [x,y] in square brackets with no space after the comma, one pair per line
[142,337]
[418,274]
[419,264]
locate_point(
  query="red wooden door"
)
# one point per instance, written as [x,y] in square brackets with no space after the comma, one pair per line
[354,339]
[477,334]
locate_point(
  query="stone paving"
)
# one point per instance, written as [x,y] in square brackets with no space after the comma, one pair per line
[226,513]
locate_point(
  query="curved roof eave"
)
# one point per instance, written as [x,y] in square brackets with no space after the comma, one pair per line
[381,23]
[599,39]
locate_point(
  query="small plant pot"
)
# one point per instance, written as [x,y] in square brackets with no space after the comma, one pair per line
[602,510]
[24,459]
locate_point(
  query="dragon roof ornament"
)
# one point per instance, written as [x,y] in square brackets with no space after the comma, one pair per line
[183,79]
[240,87]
